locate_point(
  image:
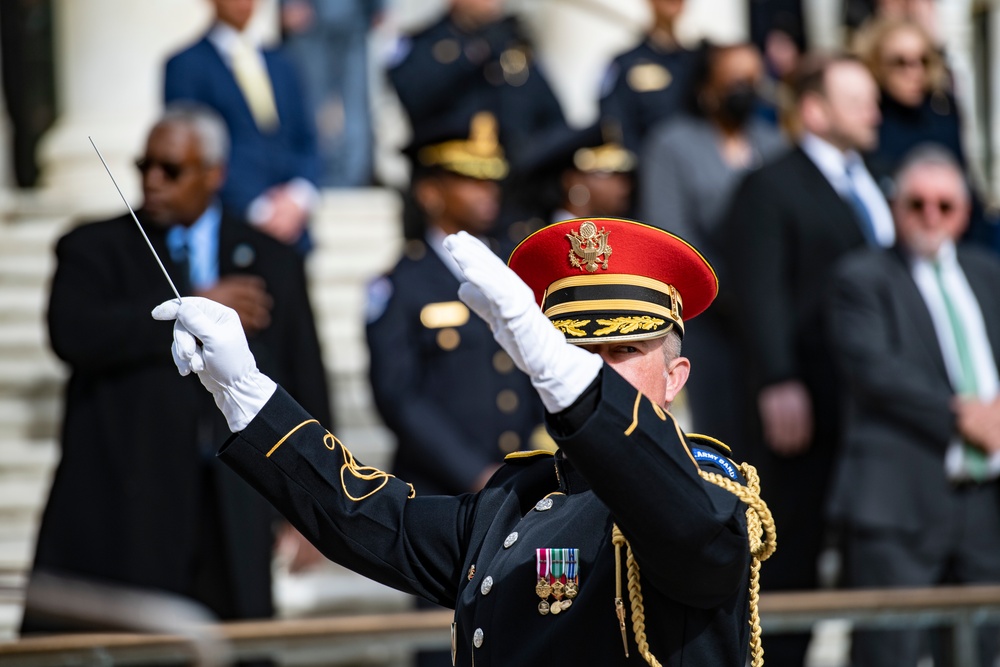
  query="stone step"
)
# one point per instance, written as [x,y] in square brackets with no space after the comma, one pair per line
[20,337]
[22,455]
[25,268]
[21,303]
[31,417]
[26,378]
[20,495]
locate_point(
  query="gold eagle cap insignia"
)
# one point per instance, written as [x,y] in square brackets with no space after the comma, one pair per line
[590,248]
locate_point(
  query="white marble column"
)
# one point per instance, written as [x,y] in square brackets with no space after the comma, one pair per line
[109,60]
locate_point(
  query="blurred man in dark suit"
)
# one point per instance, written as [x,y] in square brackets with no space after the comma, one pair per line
[786,226]
[916,330]
[139,499]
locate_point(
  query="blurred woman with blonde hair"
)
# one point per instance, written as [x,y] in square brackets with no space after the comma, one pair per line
[917,103]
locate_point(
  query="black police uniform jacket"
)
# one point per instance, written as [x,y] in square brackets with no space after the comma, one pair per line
[645,86]
[622,461]
[451,396]
[138,490]
[446,74]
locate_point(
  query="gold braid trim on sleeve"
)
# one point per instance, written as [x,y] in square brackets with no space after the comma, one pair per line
[763,542]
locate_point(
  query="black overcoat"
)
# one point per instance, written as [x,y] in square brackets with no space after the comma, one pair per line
[130,492]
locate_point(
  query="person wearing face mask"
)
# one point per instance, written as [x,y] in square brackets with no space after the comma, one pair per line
[689,170]
[916,331]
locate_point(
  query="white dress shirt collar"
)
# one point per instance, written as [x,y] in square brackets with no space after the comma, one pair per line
[833,164]
[225,38]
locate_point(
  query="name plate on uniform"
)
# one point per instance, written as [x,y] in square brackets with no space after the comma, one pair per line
[444,314]
[648,77]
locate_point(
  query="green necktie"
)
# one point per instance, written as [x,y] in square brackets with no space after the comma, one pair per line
[975,458]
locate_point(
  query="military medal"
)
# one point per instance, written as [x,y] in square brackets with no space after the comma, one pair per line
[558,566]
[542,588]
[557,576]
[572,578]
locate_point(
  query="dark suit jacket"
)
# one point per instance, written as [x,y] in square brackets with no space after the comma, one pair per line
[448,406]
[138,440]
[891,474]
[259,160]
[785,229]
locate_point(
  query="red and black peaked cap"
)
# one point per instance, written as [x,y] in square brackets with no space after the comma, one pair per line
[607,279]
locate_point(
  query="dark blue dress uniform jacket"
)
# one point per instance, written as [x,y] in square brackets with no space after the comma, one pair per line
[452,397]
[446,74]
[627,463]
[644,86]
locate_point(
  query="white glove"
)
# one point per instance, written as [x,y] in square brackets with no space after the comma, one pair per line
[223,361]
[559,371]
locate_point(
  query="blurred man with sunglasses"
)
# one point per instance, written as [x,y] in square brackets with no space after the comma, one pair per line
[138,499]
[916,330]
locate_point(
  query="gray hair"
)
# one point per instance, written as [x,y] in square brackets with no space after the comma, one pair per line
[928,155]
[672,345]
[207,125]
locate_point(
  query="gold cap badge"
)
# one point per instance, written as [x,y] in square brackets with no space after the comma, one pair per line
[590,248]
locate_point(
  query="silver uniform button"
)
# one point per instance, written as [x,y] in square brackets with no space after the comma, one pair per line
[477,638]
[543,504]
[486,586]
[509,542]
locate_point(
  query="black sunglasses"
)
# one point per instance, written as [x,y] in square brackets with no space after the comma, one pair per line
[171,170]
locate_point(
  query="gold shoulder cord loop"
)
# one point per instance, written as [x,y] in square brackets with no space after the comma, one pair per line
[364,473]
[763,542]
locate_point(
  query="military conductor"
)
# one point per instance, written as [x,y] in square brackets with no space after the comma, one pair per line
[634,543]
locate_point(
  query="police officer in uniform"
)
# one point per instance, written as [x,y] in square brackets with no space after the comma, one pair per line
[442,384]
[474,59]
[633,544]
[649,83]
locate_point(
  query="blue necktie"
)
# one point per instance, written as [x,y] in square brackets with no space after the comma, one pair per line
[861,211]
[180,252]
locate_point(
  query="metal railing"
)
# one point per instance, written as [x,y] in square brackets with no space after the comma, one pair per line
[962,608]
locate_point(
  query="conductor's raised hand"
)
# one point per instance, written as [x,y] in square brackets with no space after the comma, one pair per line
[560,372]
[209,340]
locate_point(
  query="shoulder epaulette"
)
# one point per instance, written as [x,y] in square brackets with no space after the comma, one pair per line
[528,455]
[707,439]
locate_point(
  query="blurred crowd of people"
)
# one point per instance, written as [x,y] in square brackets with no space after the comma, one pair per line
[851,355]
